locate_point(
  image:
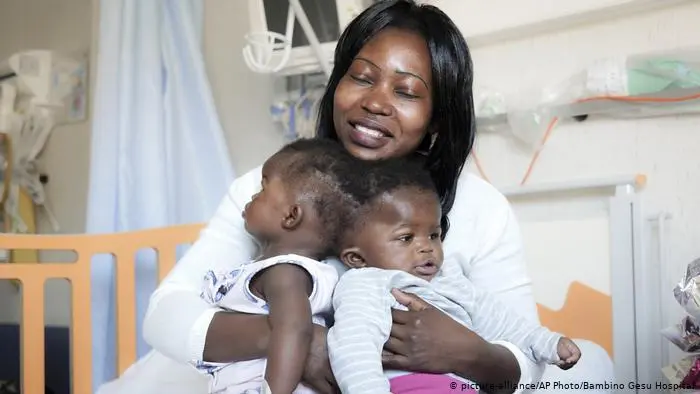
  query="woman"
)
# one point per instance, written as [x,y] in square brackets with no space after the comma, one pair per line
[401,85]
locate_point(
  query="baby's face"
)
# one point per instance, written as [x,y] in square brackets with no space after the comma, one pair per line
[402,232]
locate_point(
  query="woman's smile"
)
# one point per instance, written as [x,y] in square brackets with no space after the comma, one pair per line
[369,134]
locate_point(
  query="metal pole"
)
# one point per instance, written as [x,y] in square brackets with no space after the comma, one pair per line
[311,36]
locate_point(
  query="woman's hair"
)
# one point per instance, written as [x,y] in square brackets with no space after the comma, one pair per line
[452,119]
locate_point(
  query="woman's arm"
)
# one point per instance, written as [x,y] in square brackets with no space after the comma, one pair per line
[494,261]
[222,347]
[183,326]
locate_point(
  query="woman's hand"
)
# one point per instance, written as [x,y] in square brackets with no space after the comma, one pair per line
[317,373]
[424,339]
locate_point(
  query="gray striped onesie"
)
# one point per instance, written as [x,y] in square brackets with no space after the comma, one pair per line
[362,301]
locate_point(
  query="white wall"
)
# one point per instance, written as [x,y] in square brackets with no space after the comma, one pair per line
[665,149]
[493,17]
[242,96]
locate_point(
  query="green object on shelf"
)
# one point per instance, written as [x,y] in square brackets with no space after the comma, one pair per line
[656,75]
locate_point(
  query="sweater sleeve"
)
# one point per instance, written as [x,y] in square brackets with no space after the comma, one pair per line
[177,318]
[485,238]
[493,320]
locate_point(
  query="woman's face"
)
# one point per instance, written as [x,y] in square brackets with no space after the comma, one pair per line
[383,104]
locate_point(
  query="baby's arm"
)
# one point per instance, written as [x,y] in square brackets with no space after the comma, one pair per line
[286,288]
[493,320]
[362,306]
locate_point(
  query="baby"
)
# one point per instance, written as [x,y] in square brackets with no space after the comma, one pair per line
[396,242]
[296,219]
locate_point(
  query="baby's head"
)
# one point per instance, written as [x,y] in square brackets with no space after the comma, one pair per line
[398,223]
[301,204]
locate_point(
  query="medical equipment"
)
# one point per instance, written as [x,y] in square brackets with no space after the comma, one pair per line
[297,113]
[638,86]
[273,45]
[39,90]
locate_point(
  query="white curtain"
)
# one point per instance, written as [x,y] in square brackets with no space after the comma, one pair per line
[158,151]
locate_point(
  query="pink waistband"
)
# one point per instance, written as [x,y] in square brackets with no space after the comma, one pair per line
[424,383]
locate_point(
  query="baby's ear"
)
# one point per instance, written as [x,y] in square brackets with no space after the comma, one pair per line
[292,217]
[352,258]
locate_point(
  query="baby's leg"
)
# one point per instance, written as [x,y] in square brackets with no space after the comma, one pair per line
[240,389]
[249,388]
[301,389]
[425,383]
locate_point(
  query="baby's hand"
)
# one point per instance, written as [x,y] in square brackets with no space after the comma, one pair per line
[569,353]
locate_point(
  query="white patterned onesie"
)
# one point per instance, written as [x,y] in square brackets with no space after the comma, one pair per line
[231,291]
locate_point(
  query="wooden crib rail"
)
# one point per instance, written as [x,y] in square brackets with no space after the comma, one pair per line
[123,246]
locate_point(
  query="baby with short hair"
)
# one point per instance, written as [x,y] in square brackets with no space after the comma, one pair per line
[296,219]
[395,241]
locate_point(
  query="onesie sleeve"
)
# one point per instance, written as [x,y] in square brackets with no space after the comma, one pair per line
[362,326]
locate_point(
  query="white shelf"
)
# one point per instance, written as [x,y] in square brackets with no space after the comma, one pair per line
[609,106]
[637,181]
